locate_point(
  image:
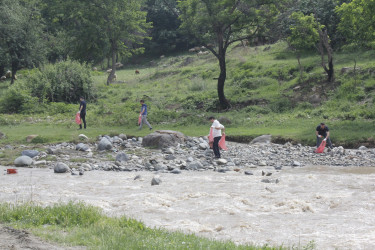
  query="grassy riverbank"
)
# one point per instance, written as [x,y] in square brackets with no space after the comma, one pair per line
[264,85]
[76,224]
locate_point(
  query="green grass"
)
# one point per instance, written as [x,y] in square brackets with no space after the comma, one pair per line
[260,85]
[77,224]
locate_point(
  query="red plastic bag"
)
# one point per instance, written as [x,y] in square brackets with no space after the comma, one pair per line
[139,120]
[78,118]
[320,149]
[211,139]
[222,143]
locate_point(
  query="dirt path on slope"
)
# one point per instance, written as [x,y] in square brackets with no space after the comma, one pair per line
[15,239]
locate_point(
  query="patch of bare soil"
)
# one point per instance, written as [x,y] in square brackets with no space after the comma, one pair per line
[15,239]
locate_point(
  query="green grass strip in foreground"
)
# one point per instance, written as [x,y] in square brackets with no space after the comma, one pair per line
[76,224]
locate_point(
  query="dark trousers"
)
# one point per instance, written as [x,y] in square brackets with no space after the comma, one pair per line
[83,119]
[319,140]
[216,146]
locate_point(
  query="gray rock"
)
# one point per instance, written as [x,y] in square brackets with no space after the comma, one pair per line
[203,145]
[30,153]
[122,157]
[163,139]
[82,147]
[176,171]
[137,177]
[262,139]
[362,148]
[248,173]
[266,180]
[104,144]
[53,151]
[160,167]
[170,157]
[262,163]
[195,165]
[156,180]
[39,163]
[168,151]
[296,164]
[123,137]
[61,168]
[221,161]
[23,161]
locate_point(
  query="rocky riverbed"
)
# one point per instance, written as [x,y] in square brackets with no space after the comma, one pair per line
[260,193]
[119,153]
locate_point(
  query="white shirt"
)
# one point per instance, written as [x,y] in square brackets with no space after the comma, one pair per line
[216,132]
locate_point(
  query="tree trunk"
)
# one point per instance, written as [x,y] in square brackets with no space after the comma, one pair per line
[111,76]
[330,72]
[2,70]
[14,71]
[220,83]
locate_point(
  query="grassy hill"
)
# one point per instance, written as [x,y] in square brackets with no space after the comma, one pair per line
[264,86]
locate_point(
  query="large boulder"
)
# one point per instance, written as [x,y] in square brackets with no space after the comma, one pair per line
[23,161]
[261,139]
[104,144]
[61,168]
[30,153]
[163,139]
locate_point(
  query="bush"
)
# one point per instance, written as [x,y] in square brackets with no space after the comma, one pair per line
[14,98]
[64,81]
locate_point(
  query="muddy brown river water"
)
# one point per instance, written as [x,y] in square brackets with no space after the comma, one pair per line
[332,206]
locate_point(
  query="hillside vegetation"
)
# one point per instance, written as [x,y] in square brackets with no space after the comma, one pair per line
[264,86]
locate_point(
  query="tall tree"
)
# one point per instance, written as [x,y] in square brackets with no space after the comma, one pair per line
[165,34]
[217,24]
[21,35]
[121,24]
[357,22]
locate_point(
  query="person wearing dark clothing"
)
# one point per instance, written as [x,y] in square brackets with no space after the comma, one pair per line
[82,112]
[143,115]
[322,133]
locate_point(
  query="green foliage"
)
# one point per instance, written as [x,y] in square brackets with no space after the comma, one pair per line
[21,39]
[15,98]
[64,81]
[357,22]
[304,33]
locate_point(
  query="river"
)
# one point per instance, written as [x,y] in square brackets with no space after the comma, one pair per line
[333,207]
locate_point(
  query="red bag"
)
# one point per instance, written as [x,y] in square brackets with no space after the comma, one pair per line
[78,118]
[222,143]
[320,149]
[139,120]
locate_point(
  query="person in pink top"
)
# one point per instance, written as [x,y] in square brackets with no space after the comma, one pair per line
[216,133]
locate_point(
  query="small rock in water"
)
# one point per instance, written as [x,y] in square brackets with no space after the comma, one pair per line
[156,180]
[278,167]
[176,171]
[137,177]
[248,173]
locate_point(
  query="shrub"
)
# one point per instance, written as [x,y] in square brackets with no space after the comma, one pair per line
[14,98]
[64,81]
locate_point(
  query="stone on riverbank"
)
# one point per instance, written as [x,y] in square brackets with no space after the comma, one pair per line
[163,139]
[23,161]
[30,153]
[61,168]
